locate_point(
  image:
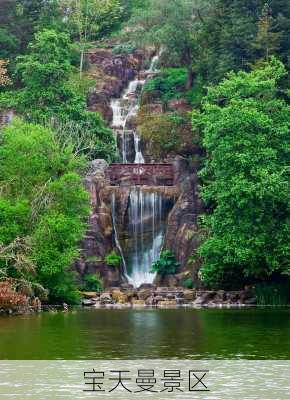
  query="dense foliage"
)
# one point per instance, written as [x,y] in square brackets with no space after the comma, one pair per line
[220,47]
[166,264]
[245,124]
[92,283]
[48,97]
[42,201]
[164,133]
[210,38]
[169,84]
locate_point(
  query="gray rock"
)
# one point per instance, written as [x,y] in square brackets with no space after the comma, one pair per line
[97,167]
[88,302]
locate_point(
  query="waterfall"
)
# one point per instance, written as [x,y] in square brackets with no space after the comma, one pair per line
[139,159]
[123,109]
[127,106]
[146,229]
[118,244]
[146,212]
[154,63]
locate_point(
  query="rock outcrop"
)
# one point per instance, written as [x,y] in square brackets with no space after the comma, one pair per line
[112,73]
[182,233]
[99,239]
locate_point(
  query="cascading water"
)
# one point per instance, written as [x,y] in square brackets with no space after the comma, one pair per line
[146,215]
[117,241]
[126,107]
[146,210]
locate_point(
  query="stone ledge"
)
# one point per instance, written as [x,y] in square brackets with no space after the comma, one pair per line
[163,297]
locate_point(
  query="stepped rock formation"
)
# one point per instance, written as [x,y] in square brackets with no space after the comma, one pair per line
[136,222]
[112,73]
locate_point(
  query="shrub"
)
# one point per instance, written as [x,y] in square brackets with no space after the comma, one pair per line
[169,84]
[128,48]
[166,264]
[10,299]
[93,283]
[164,133]
[188,283]
[113,259]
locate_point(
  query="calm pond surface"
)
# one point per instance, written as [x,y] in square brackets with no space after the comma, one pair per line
[255,333]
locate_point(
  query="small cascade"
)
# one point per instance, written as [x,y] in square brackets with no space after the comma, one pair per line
[123,109]
[126,107]
[154,63]
[139,159]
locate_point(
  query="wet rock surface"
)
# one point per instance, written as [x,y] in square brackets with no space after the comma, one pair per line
[112,73]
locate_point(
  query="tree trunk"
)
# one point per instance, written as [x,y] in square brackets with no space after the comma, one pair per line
[82,62]
[190,78]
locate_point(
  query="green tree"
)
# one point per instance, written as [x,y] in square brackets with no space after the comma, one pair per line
[42,190]
[170,25]
[245,129]
[90,19]
[14,219]
[267,41]
[44,72]
[20,19]
[48,97]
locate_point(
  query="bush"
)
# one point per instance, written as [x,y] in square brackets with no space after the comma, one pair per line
[113,259]
[93,283]
[164,133]
[169,84]
[10,299]
[166,264]
[127,48]
[188,283]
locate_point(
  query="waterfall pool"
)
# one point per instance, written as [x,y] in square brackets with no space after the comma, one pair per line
[255,333]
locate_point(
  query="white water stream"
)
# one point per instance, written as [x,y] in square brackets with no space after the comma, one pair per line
[145,209]
[127,106]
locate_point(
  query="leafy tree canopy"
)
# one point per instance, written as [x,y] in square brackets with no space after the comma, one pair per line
[42,190]
[245,127]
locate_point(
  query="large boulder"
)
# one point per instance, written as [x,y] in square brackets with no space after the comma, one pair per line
[144,294]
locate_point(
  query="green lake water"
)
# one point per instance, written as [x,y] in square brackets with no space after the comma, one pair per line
[256,333]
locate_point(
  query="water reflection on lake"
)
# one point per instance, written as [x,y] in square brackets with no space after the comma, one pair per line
[136,334]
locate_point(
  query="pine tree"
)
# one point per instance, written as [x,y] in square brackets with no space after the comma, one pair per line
[267,41]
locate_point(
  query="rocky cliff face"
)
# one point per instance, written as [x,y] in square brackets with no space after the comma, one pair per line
[182,236]
[99,239]
[182,233]
[109,223]
[112,73]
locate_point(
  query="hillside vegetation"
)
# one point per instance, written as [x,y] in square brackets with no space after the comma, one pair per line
[228,61]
